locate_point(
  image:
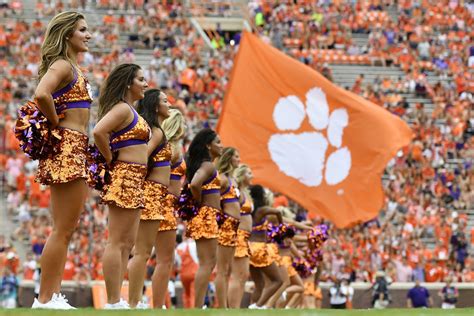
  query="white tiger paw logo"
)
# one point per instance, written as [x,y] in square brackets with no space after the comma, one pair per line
[303,156]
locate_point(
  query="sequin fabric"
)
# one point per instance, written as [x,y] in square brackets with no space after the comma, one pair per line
[261,227]
[228,231]
[204,224]
[231,195]
[69,163]
[273,251]
[126,187]
[242,247]
[161,154]
[213,183]
[259,255]
[178,170]
[141,131]
[287,262]
[247,206]
[169,221]
[78,92]
[155,195]
[310,290]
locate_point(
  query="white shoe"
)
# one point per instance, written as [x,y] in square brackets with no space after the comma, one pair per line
[63,300]
[58,301]
[122,304]
[163,307]
[142,305]
[253,306]
[204,307]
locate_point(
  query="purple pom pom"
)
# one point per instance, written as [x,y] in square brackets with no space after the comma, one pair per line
[302,267]
[33,131]
[98,171]
[187,207]
[278,233]
[317,236]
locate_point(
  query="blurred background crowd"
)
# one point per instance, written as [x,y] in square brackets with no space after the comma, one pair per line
[424,232]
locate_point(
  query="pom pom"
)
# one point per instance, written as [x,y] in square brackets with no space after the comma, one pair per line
[220,218]
[187,207]
[314,257]
[33,131]
[317,236]
[278,233]
[302,267]
[98,172]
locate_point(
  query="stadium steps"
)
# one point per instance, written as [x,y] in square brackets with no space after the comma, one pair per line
[392,12]
[8,225]
[360,39]
[346,75]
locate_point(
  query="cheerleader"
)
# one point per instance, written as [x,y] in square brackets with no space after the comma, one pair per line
[154,108]
[175,129]
[240,265]
[292,283]
[262,259]
[229,221]
[313,295]
[62,96]
[205,187]
[122,132]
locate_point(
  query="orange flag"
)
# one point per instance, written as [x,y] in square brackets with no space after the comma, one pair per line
[303,136]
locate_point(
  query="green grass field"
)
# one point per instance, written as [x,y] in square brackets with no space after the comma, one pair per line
[215,312]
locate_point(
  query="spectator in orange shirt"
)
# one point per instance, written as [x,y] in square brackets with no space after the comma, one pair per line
[433,272]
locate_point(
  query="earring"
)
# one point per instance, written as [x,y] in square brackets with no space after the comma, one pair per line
[128,87]
[67,38]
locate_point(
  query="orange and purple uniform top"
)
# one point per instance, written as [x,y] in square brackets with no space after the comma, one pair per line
[246,206]
[212,185]
[178,170]
[261,227]
[76,95]
[231,194]
[136,133]
[161,156]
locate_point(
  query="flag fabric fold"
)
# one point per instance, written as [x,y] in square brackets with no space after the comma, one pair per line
[322,146]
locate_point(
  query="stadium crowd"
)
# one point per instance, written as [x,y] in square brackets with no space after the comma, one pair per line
[422,232]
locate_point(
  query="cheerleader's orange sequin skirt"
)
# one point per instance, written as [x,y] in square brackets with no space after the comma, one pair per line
[169,221]
[69,163]
[204,224]
[126,188]
[242,248]
[155,195]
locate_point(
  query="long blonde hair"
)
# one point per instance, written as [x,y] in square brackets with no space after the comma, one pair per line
[239,173]
[55,45]
[173,126]
[239,176]
[224,162]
